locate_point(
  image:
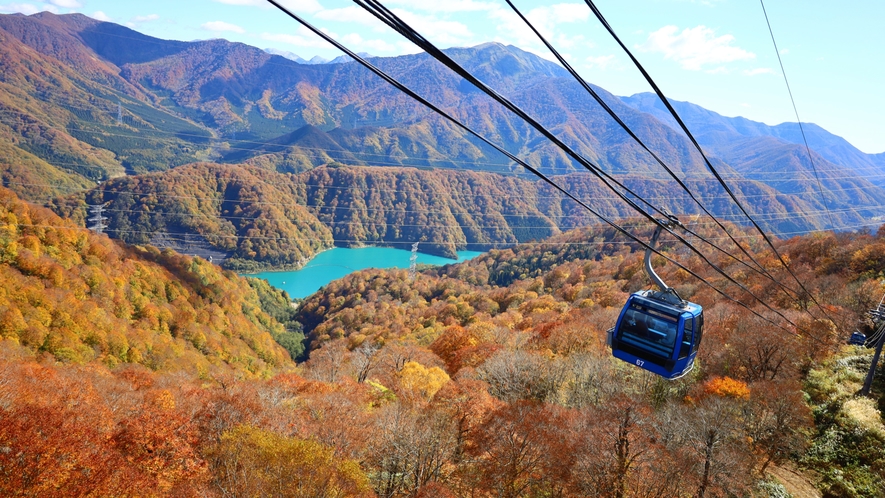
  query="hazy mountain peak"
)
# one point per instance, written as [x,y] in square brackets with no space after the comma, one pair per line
[487,45]
[504,64]
[288,55]
[716,131]
[341,59]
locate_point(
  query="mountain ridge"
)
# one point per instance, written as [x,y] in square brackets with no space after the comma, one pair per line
[712,128]
[259,218]
[157,104]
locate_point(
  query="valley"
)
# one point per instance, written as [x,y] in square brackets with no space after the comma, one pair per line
[158,195]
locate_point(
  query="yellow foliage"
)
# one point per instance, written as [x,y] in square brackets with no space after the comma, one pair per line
[419,379]
[252,462]
[864,413]
[161,399]
[82,297]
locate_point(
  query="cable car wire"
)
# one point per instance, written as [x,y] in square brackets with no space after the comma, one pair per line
[392,20]
[758,268]
[688,133]
[796,111]
[611,223]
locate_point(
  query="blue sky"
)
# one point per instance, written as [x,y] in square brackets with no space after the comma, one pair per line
[714,53]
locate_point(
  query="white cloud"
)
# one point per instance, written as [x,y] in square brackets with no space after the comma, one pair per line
[566,41]
[439,31]
[222,26]
[447,7]
[23,8]
[601,62]
[706,3]
[147,18]
[254,3]
[356,43]
[352,14]
[784,51]
[695,47]
[308,6]
[513,30]
[101,16]
[66,4]
[759,70]
[546,18]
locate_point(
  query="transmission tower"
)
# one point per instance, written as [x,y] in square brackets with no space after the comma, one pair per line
[413,262]
[96,220]
[878,317]
[119,113]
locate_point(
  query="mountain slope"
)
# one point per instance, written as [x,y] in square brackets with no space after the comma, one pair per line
[82,297]
[261,218]
[786,167]
[239,214]
[62,103]
[715,131]
[253,215]
[246,93]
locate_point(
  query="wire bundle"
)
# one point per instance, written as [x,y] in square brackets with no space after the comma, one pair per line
[389,18]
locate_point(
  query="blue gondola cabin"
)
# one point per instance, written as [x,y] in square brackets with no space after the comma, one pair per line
[660,337]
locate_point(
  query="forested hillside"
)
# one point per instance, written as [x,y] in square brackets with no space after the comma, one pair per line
[61,112]
[529,322]
[490,377]
[77,297]
[261,218]
[245,215]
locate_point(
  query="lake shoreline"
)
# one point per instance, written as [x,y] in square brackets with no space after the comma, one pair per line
[249,267]
[338,262]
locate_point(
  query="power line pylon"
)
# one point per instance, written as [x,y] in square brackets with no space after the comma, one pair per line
[413,262]
[96,218]
[878,317]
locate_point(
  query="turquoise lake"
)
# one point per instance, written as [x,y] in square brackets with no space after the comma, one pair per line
[339,262]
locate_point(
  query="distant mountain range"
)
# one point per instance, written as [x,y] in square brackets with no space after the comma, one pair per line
[316,59]
[84,101]
[712,130]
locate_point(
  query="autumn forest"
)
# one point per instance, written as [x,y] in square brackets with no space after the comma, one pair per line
[127,368]
[141,179]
